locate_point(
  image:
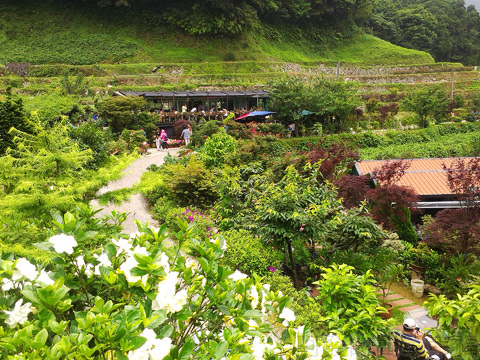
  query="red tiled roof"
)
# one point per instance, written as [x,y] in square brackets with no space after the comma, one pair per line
[425,176]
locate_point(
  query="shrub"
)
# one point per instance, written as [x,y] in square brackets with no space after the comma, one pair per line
[191,184]
[349,305]
[91,136]
[218,149]
[458,322]
[250,254]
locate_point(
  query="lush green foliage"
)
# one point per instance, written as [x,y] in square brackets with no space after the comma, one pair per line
[189,184]
[350,306]
[12,115]
[218,149]
[157,34]
[458,323]
[141,299]
[250,254]
[330,101]
[121,112]
[430,102]
[445,28]
[91,136]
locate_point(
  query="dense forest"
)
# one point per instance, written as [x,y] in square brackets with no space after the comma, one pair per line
[447,29]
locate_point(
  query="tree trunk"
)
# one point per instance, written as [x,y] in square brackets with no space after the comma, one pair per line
[296,283]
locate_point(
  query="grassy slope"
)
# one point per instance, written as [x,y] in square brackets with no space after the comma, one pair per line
[42,33]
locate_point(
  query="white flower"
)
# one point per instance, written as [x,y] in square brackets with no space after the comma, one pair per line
[334,339]
[63,243]
[87,267]
[190,263]
[351,354]
[316,352]
[44,278]
[164,262]
[122,245]
[153,349]
[24,268]
[167,298]
[237,275]
[127,266]
[259,347]
[161,349]
[135,234]
[266,287]
[287,315]
[7,284]
[104,261]
[19,315]
[140,250]
[254,294]
[51,187]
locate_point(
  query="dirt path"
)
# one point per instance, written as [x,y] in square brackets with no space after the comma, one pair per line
[136,207]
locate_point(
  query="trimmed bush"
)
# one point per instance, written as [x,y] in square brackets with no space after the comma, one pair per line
[249,253]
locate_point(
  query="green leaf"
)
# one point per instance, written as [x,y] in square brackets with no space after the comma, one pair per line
[253,314]
[137,342]
[221,350]
[30,295]
[41,338]
[120,356]
[186,350]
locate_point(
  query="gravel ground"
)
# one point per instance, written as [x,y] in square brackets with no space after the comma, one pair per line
[136,207]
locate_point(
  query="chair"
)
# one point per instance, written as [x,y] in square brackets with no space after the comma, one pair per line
[405,351]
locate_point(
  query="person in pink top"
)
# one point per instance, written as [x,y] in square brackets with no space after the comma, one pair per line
[164,138]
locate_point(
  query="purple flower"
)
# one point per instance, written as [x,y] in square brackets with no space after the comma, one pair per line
[190,218]
[208,228]
[271,268]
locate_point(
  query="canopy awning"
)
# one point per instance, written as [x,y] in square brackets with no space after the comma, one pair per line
[255,113]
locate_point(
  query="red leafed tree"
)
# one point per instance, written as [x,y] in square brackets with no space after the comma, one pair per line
[353,189]
[390,203]
[457,231]
[335,159]
[391,172]
[454,231]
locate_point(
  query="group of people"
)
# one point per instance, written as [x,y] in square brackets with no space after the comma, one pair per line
[161,137]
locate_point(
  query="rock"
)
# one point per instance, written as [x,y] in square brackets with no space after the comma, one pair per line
[432,289]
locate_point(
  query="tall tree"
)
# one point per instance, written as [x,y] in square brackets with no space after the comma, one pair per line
[12,115]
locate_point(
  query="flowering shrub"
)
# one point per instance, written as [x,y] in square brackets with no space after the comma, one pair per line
[139,298]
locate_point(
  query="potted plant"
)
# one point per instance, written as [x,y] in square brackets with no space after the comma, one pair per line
[420,256]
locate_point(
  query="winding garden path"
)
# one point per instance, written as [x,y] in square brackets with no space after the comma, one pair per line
[136,207]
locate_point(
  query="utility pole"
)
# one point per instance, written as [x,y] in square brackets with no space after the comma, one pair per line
[451,86]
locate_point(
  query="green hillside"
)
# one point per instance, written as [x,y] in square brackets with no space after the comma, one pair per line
[45,33]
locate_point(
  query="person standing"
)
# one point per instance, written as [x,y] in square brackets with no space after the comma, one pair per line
[164,138]
[186,135]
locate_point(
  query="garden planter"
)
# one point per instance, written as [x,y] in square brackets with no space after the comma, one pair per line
[417,271]
[388,313]
[417,287]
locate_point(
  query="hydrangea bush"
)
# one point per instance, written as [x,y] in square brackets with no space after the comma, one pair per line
[141,298]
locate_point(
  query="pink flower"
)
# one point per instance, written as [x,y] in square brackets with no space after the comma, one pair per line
[271,268]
